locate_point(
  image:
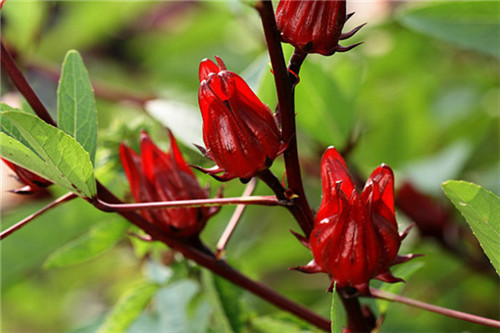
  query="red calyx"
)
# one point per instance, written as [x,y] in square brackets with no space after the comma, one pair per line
[158,176]
[314,26]
[33,181]
[355,236]
[239,131]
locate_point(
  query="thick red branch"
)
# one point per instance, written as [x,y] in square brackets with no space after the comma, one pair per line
[286,108]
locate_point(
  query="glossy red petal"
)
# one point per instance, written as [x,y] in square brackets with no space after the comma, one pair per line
[133,170]
[239,131]
[207,67]
[313,26]
[176,156]
[333,170]
[384,178]
[32,180]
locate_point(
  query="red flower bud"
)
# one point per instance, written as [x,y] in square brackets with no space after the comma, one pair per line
[239,131]
[432,219]
[355,236]
[33,181]
[314,26]
[159,176]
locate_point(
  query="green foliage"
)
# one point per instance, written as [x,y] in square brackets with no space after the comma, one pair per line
[89,245]
[337,312]
[470,24]
[76,111]
[226,301]
[481,209]
[47,151]
[128,308]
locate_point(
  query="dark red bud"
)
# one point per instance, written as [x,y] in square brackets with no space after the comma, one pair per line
[32,181]
[355,236]
[239,131]
[158,176]
[432,219]
[314,26]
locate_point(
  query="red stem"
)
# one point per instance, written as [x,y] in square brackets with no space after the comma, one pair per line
[376,293]
[199,256]
[287,114]
[23,86]
[125,207]
[20,224]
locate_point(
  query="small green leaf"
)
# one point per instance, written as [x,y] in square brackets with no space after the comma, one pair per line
[90,245]
[28,141]
[404,271]
[225,299]
[337,312]
[5,107]
[481,209]
[76,111]
[128,308]
[469,24]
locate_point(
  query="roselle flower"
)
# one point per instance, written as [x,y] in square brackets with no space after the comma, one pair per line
[240,133]
[158,176]
[32,181]
[355,236]
[314,26]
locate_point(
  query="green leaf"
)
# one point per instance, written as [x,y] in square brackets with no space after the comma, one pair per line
[172,303]
[76,111]
[470,24]
[226,300]
[337,312]
[481,209]
[90,245]
[128,308]
[47,151]
[5,107]
[404,271]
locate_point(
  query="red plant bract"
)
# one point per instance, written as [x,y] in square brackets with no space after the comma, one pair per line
[239,131]
[314,26]
[159,176]
[355,236]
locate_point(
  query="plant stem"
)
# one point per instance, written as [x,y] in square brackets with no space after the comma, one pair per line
[228,231]
[203,259]
[23,86]
[355,319]
[65,198]
[376,293]
[287,114]
[125,207]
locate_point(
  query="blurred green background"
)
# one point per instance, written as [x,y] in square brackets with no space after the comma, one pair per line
[422,94]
